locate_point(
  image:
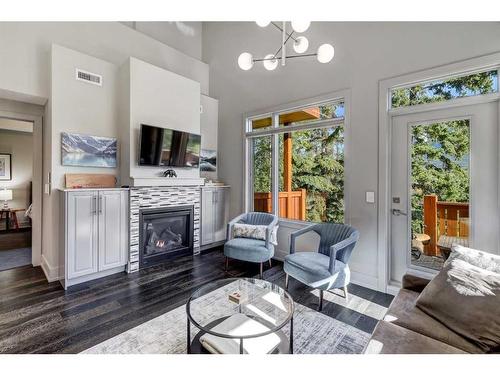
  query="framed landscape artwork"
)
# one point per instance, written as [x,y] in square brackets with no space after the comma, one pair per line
[80,150]
[5,167]
[208,162]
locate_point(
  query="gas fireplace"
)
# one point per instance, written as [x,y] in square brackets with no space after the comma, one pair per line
[165,233]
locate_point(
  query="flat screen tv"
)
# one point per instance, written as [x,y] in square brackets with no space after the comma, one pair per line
[160,147]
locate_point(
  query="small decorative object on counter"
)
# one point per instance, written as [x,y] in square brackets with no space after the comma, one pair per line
[169,173]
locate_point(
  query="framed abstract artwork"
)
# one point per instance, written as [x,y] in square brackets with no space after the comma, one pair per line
[79,150]
[5,167]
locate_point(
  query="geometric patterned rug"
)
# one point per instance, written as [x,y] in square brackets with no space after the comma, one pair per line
[314,333]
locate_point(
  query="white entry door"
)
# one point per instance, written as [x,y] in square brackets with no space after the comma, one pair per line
[444,185]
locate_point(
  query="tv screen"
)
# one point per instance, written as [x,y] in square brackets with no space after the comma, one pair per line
[169,148]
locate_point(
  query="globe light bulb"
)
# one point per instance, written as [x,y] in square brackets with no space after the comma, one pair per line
[262,23]
[245,61]
[325,53]
[300,26]
[270,62]
[301,44]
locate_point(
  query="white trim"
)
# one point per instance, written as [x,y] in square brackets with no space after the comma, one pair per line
[37,178]
[51,273]
[384,138]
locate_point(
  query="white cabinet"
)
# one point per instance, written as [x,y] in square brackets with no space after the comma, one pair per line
[214,215]
[81,232]
[96,233]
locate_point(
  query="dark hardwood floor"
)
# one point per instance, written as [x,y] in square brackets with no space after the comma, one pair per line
[15,239]
[41,317]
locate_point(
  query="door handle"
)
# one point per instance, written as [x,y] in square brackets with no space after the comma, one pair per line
[100,204]
[94,206]
[398,212]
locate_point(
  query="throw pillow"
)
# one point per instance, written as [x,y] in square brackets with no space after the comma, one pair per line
[478,258]
[466,299]
[257,232]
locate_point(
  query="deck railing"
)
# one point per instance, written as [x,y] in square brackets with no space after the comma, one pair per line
[291,204]
[444,219]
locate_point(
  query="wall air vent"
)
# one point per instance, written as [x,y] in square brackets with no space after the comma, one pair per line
[82,75]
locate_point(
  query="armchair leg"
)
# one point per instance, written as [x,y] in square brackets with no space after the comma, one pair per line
[320,300]
[346,294]
[227,264]
[261,270]
[286,281]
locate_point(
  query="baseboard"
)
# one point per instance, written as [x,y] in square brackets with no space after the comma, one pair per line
[362,279]
[51,273]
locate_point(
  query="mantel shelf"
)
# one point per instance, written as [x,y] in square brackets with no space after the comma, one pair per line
[166,181]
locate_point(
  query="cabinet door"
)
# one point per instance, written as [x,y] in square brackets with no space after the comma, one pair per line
[207,216]
[81,232]
[112,215]
[221,211]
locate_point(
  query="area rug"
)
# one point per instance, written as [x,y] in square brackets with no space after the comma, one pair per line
[15,258]
[314,333]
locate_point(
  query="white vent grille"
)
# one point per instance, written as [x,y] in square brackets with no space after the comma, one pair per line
[82,75]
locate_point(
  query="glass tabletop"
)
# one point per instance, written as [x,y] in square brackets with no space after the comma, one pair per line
[260,300]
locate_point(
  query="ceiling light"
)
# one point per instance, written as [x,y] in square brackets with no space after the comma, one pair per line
[300,26]
[270,62]
[325,53]
[245,61]
[301,44]
[263,23]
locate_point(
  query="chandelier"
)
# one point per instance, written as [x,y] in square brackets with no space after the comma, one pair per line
[324,54]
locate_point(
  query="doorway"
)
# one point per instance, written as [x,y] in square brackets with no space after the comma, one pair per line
[21,186]
[16,198]
[444,186]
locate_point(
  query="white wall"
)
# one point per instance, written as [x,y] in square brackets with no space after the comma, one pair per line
[20,145]
[183,36]
[74,107]
[27,75]
[364,54]
[25,53]
[160,98]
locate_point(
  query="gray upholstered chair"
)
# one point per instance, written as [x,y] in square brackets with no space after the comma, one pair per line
[326,268]
[249,249]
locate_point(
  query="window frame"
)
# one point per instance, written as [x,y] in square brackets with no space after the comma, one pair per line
[275,130]
[443,78]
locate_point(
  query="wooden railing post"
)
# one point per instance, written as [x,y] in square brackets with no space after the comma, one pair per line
[303,204]
[430,224]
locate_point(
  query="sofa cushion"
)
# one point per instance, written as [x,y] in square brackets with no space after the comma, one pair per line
[248,250]
[389,338]
[404,312]
[478,258]
[312,269]
[466,299]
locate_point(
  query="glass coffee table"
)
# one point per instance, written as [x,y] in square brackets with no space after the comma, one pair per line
[240,316]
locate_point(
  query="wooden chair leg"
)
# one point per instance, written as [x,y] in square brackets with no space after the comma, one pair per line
[262,270]
[227,264]
[320,300]
[286,281]
[14,220]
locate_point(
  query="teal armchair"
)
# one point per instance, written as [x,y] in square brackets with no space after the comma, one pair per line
[249,249]
[327,268]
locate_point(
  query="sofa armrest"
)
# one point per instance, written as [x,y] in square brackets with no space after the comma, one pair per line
[414,283]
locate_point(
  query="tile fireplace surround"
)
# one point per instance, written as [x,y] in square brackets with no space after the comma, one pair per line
[157,197]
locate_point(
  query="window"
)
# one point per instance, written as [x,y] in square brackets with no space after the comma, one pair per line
[308,164]
[446,89]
